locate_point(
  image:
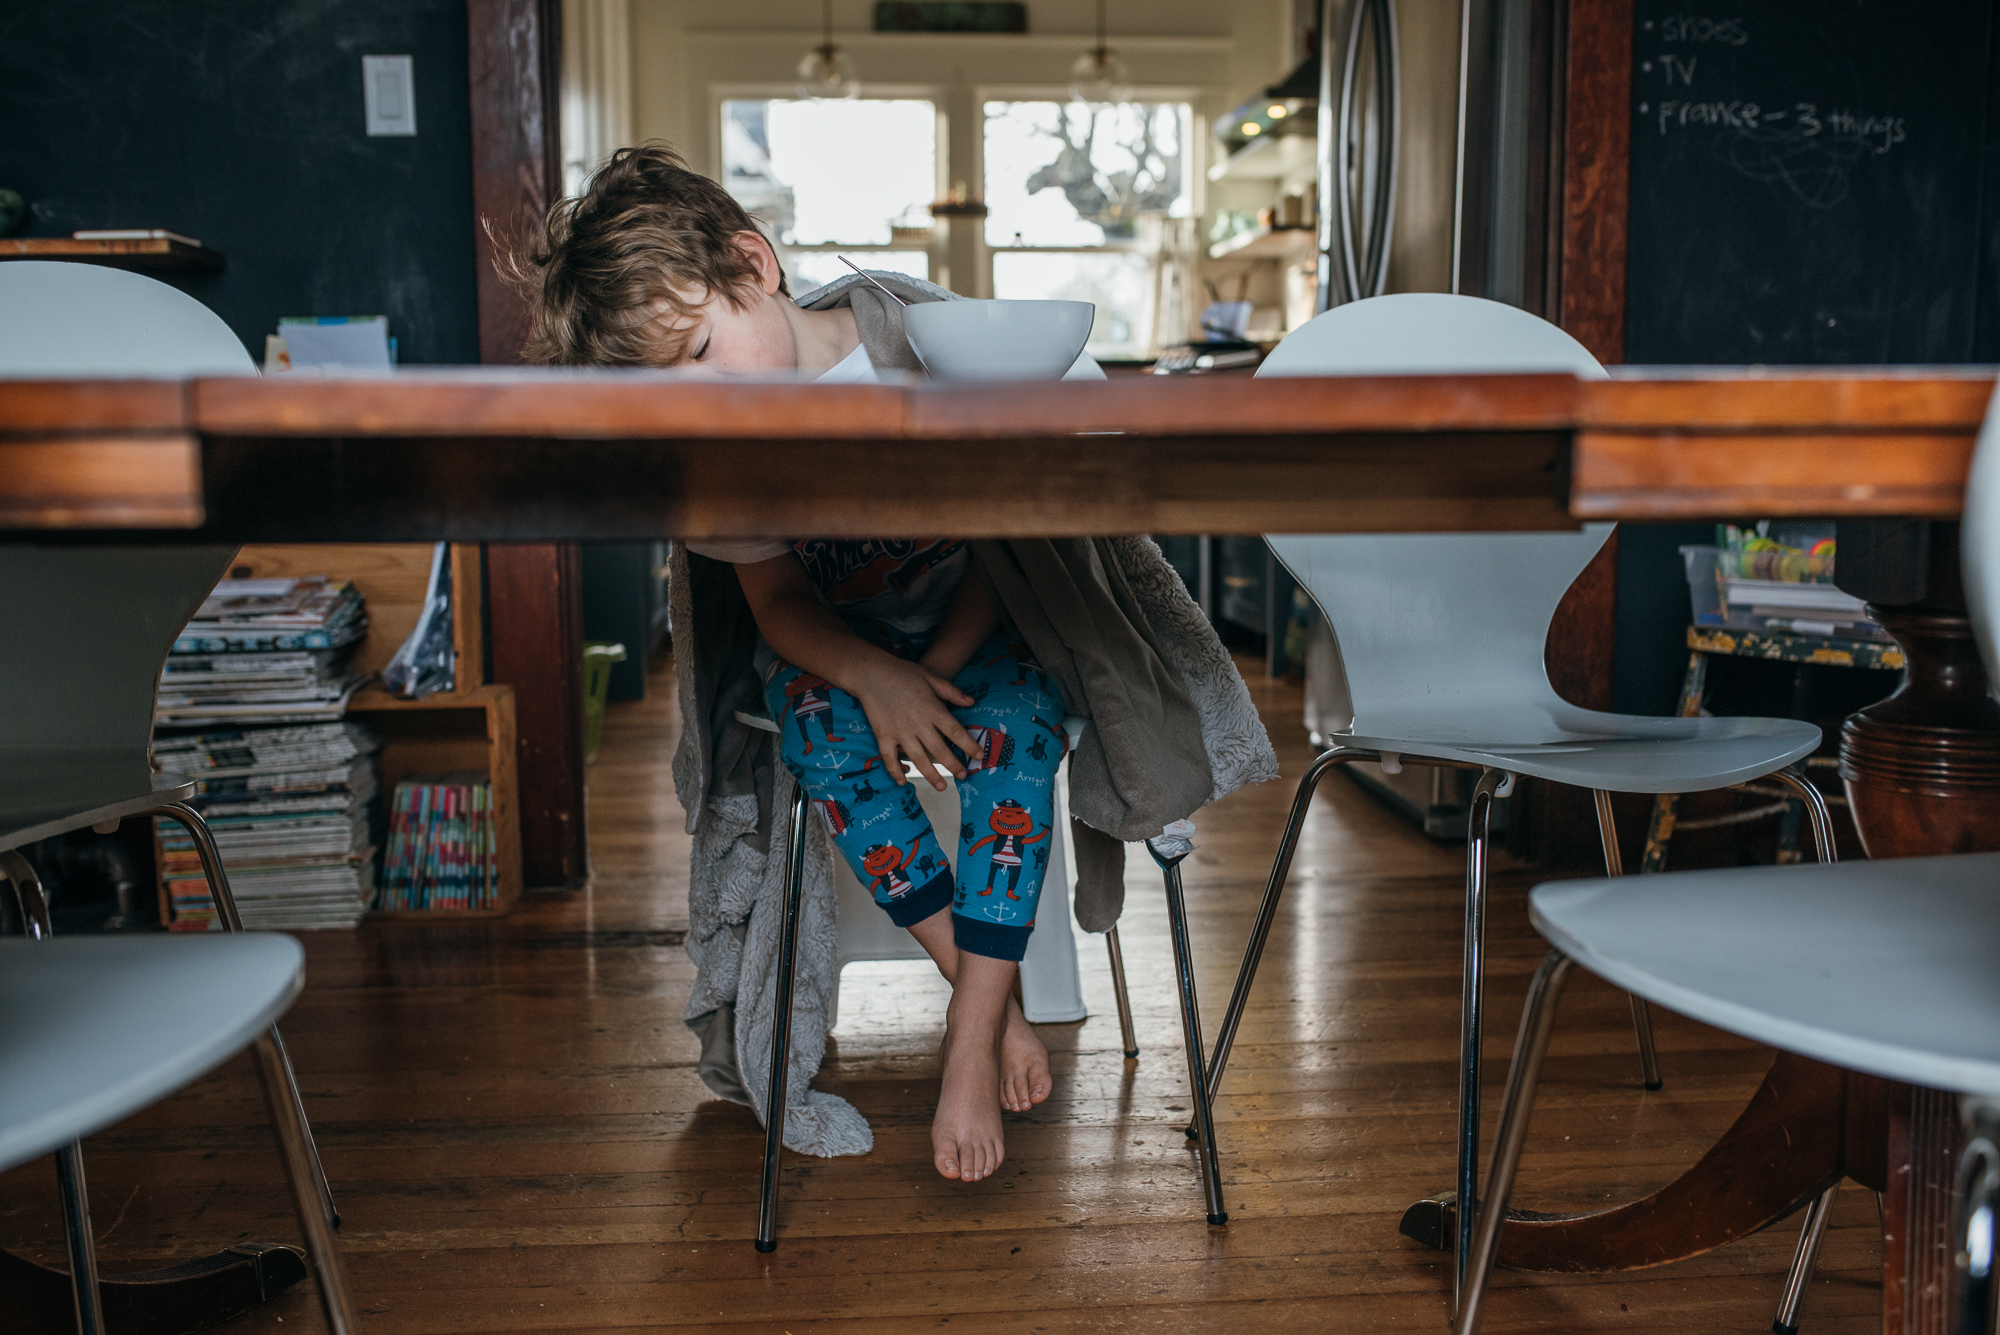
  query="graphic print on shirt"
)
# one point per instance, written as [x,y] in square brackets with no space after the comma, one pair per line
[846,571]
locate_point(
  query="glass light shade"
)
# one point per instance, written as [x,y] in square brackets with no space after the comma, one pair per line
[827,75]
[1099,78]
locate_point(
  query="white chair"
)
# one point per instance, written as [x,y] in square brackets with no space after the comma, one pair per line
[1167,850]
[1881,967]
[94,1029]
[85,631]
[1440,639]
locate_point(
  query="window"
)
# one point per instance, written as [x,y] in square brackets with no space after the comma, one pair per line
[1077,197]
[834,178]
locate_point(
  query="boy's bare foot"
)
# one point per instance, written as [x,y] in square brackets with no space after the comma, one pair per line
[966,1141]
[1024,1063]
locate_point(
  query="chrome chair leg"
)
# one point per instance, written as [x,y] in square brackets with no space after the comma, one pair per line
[1812,1232]
[1119,994]
[1267,912]
[225,910]
[1531,1045]
[1204,1111]
[301,1166]
[1978,1297]
[1816,813]
[76,1233]
[781,1028]
[28,894]
[1642,1015]
[1472,984]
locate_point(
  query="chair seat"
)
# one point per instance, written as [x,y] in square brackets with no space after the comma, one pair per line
[43,796]
[1890,968]
[93,1029]
[1623,753]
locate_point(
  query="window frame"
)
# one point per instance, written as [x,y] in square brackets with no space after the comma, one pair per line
[935,94]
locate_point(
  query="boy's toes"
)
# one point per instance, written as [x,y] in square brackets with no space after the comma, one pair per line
[945,1156]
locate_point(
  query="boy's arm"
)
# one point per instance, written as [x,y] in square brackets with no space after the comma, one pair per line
[906,703]
[968,623]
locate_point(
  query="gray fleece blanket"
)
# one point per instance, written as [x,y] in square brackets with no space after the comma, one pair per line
[1172,728]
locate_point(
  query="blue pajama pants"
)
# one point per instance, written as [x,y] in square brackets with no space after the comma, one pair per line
[1006,800]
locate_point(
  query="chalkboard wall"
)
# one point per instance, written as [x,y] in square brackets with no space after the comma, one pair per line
[1807,178]
[1813,182]
[241,123]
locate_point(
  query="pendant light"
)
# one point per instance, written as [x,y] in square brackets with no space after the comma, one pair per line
[826,74]
[1098,78]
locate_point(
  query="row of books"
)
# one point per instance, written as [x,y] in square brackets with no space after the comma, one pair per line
[290,809]
[441,851]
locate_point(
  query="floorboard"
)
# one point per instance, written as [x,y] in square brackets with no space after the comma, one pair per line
[511,1118]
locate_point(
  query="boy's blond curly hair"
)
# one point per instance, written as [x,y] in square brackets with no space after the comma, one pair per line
[615,276]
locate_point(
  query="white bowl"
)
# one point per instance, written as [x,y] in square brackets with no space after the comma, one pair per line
[999,340]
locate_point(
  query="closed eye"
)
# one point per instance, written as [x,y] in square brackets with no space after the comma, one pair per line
[702,351]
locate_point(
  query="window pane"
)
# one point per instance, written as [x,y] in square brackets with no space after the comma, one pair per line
[1063,174]
[1119,282]
[830,173]
[817,268]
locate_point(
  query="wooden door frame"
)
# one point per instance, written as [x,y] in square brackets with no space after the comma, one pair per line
[534,616]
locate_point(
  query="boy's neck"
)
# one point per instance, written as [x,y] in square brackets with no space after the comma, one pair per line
[823,338]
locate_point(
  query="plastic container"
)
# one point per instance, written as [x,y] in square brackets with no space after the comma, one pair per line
[1778,591]
[598,656]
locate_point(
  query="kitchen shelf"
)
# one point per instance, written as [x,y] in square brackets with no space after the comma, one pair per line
[1268,243]
[1290,158]
[159,253]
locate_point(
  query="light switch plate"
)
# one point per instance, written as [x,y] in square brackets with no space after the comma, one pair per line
[389,90]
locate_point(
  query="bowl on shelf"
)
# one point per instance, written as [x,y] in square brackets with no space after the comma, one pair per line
[999,340]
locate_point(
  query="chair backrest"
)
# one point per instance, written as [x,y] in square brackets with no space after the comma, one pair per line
[87,320]
[1436,630]
[84,631]
[1979,544]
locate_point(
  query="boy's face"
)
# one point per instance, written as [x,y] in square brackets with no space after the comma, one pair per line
[753,334]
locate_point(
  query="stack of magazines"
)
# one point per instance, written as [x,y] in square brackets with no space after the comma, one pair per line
[265,651]
[252,702]
[290,811]
[440,853]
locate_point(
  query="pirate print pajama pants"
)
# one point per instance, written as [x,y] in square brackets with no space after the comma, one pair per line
[1006,800]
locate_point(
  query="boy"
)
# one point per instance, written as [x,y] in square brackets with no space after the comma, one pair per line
[871,652]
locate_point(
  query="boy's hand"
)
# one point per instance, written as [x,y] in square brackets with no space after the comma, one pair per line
[907,708]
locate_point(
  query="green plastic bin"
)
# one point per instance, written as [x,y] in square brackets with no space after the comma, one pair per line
[598,656]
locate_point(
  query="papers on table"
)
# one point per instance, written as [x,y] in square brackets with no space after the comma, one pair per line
[337,340]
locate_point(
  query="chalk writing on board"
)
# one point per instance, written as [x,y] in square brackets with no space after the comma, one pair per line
[1697,28]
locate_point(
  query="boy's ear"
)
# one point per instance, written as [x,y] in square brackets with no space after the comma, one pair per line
[757,250]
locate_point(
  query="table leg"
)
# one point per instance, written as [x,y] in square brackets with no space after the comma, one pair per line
[182,1298]
[1789,1145]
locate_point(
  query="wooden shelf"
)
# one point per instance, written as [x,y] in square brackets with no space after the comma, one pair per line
[469,728]
[150,254]
[1268,243]
[1292,158]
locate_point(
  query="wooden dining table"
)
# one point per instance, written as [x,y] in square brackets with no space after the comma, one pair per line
[490,455]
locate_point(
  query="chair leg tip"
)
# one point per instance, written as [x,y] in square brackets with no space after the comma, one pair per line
[1218,1220]
[1655,1086]
[1131,1054]
[1782,1329]
[1192,1133]
[767,1247]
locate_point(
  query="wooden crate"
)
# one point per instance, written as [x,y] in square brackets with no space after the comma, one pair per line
[470,727]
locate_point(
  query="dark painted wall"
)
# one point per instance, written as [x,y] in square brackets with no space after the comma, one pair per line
[241,124]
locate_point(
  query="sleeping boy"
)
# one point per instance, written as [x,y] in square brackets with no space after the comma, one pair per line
[872,653]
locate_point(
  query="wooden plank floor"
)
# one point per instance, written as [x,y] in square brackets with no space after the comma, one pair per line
[514,1129]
